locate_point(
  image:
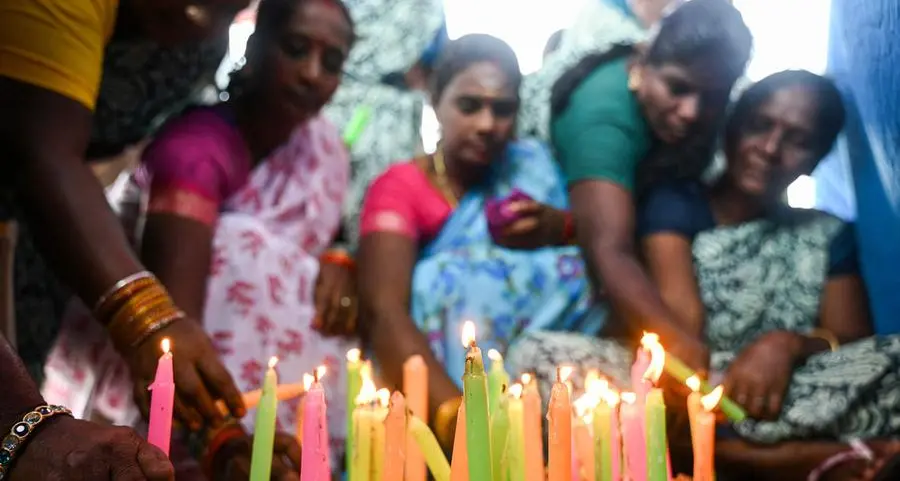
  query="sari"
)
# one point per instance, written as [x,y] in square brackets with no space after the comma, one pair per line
[755,278]
[461,274]
[269,231]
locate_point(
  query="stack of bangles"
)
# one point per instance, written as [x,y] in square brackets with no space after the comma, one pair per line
[214,440]
[134,309]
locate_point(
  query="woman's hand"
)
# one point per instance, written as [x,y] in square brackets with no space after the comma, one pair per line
[200,377]
[538,225]
[232,461]
[759,377]
[67,449]
[336,300]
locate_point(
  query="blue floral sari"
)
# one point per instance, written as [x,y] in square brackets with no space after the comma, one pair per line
[463,275]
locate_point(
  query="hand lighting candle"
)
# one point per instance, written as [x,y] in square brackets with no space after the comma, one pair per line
[478,430]
[264,427]
[559,440]
[315,454]
[532,425]
[161,400]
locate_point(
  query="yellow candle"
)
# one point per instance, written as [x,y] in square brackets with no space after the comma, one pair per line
[559,441]
[459,469]
[534,432]
[415,387]
[431,450]
[363,425]
[516,446]
[378,433]
[354,384]
[395,439]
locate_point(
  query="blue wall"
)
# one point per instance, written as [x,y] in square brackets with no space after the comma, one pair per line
[864,57]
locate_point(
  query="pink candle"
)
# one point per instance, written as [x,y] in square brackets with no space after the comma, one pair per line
[314,457]
[162,398]
[640,385]
[631,419]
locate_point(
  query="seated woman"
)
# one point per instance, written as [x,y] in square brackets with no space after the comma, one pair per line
[243,199]
[771,291]
[427,260]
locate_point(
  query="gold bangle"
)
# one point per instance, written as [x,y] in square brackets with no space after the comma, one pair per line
[825,335]
[443,420]
[122,290]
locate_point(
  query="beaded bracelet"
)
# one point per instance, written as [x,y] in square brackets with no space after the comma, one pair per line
[22,430]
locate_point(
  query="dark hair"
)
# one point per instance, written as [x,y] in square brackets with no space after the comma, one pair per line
[273,15]
[470,49]
[707,34]
[830,107]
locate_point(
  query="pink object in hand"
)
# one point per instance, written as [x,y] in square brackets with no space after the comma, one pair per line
[500,215]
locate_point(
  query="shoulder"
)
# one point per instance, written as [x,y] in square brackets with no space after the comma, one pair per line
[603,92]
[400,175]
[675,207]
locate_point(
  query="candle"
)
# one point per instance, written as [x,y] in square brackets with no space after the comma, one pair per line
[354,383]
[378,433]
[655,413]
[608,448]
[590,378]
[264,427]
[395,437]
[415,386]
[703,431]
[161,399]
[478,430]
[559,441]
[516,445]
[680,372]
[498,378]
[582,437]
[640,386]
[565,372]
[431,450]
[459,469]
[308,380]
[633,437]
[500,438]
[363,425]
[315,453]
[534,433]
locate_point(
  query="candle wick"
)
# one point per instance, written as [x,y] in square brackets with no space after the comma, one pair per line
[315,375]
[503,389]
[558,374]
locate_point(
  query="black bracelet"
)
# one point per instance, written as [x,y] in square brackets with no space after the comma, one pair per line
[22,430]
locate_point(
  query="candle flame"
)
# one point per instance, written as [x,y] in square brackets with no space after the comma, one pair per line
[711,400]
[320,372]
[165,344]
[494,355]
[650,342]
[588,418]
[468,334]
[353,355]
[612,398]
[563,373]
[629,397]
[693,382]
[308,380]
[273,361]
[597,387]
[526,379]
[367,392]
[365,371]
[516,390]
[584,404]
[384,397]
[591,377]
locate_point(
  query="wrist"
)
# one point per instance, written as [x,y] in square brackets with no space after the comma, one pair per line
[568,231]
[339,257]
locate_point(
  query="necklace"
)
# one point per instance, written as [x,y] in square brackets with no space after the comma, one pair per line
[440,172]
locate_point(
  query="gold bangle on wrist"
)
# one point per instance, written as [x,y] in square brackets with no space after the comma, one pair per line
[136,309]
[825,335]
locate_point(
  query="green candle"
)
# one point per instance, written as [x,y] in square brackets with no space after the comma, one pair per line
[500,438]
[264,427]
[478,429]
[655,412]
[354,382]
[497,379]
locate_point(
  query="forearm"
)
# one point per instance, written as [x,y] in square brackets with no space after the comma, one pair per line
[20,394]
[395,339]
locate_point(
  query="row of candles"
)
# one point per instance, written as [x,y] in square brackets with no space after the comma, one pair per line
[603,435]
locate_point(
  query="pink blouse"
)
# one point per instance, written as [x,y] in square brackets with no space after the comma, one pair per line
[402,200]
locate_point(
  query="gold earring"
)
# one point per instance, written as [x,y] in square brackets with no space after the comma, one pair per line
[634,79]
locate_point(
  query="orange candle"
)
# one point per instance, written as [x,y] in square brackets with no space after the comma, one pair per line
[459,466]
[395,437]
[559,441]
[415,387]
[703,433]
[534,435]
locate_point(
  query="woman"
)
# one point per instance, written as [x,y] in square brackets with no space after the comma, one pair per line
[243,199]
[613,110]
[772,291]
[427,260]
[53,53]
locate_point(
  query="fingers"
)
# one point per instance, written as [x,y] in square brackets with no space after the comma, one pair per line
[288,446]
[773,407]
[523,226]
[154,464]
[525,207]
[221,385]
[142,397]
[188,414]
[193,392]
[125,457]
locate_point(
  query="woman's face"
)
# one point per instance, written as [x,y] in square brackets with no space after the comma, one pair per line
[477,113]
[776,144]
[295,72]
[676,100]
[173,22]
